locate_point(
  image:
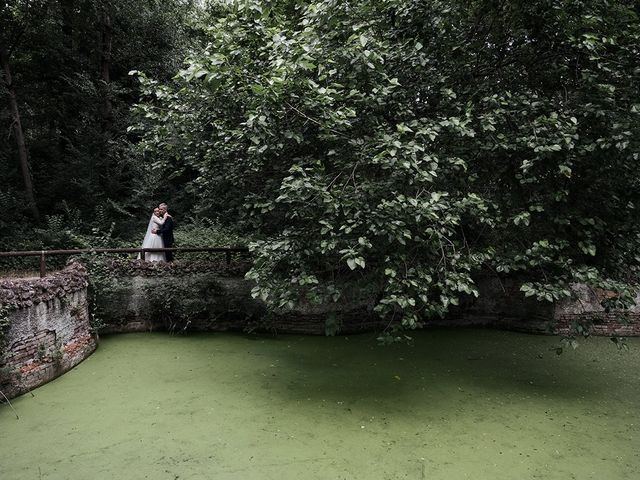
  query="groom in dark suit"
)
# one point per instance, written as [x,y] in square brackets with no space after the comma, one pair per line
[166,231]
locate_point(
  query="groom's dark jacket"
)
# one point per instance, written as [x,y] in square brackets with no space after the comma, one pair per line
[166,232]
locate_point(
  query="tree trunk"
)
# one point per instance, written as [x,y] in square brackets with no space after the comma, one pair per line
[23,152]
[105,70]
[68,109]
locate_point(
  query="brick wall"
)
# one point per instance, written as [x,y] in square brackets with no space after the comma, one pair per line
[502,305]
[49,330]
[586,310]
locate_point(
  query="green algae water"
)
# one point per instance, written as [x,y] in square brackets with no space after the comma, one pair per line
[460,404]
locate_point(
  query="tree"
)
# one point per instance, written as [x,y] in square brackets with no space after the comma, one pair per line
[19,17]
[410,146]
[402,146]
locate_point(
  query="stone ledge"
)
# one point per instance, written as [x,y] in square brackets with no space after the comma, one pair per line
[26,292]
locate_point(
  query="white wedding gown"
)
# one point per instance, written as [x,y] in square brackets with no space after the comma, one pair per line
[151,240]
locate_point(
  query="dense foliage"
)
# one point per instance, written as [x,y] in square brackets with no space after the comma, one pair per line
[410,145]
[405,145]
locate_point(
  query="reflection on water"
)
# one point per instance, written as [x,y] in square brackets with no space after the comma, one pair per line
[457,404]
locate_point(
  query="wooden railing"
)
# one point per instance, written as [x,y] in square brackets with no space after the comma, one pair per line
[228,251]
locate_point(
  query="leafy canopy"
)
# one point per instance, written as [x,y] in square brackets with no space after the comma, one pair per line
[410,145]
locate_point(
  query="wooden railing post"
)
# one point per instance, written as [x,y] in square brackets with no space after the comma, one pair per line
[43,265]
[142,255]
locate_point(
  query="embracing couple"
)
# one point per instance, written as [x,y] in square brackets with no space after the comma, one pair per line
[159,235]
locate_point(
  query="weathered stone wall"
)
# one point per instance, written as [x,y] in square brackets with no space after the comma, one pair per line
[215,302]
[26,292]
[587,310]
[200,302]
[502,305]
[47,328]
[150,297]
[209,295]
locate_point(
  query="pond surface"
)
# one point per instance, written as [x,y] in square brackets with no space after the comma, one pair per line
[456,404]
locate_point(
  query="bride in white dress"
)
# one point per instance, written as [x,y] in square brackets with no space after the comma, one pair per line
[151,240]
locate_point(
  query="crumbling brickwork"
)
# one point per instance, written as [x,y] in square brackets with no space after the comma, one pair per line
[48,331]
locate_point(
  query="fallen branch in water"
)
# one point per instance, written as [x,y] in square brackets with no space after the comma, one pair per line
[14,410]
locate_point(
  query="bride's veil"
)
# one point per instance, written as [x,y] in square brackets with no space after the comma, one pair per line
[146,243]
